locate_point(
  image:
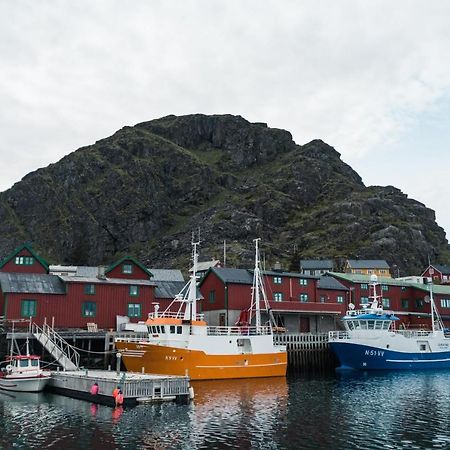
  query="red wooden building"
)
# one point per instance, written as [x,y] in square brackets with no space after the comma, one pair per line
[24,260]
[439,273]
[408,298]
[72,301]
[297,301]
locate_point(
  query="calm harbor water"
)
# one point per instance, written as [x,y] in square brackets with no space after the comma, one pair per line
[333,411]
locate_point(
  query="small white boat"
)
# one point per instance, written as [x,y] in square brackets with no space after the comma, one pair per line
[23,373]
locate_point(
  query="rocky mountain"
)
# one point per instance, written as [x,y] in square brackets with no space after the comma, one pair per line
[145,189]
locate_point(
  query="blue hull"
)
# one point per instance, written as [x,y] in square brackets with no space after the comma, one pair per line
[362,357]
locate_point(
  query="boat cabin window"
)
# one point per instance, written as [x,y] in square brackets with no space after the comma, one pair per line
[156,329]
[371,324]
[179,329]
[379,324]
[386,324]
[172,329]
[24,362]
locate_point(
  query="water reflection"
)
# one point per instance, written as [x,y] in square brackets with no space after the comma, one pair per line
[238,413]
[335,411]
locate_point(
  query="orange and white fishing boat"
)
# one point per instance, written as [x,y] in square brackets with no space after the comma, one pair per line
[181,342]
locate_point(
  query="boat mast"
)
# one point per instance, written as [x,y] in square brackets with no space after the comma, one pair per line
[374,283]
[190,313]
[12,341]
[256,291]
[436,321]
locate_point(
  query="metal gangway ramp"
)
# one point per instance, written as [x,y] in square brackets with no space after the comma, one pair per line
[64,353]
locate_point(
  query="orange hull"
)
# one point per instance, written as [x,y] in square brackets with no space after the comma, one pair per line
[198,365]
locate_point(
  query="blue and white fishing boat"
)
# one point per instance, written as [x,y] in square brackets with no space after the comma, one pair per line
[372,342]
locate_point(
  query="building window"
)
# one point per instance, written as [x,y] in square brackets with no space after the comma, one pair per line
[303,297]
[134,310]
[403,288]
[405,303]
[134,291]
[127,268]
[89,309]
[386,302]
[303,281]
[212,296]
[364,300]
[364,287]
[89,289]
[445,302]
[28,308]
[278,296]
[24,260]
[419,303]
[277,280]
[384,287]
[322,299]
[340,299]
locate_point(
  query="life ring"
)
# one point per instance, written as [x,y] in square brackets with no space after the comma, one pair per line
[9,368]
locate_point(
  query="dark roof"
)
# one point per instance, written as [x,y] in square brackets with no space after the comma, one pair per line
[133,260]
[32,252]
[31,283]
[167,275]
[445,270]
[328,282]
[311,264]
[238,276]
[279,273]
[368,264]
[168,289]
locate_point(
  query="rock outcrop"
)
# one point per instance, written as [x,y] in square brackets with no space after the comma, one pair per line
[145,189]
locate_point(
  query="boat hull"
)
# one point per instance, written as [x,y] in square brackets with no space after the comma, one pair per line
[24,384]
[198,365]
[364,357]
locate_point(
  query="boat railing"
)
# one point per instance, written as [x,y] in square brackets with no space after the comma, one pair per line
[410,334]
[338,335]
[414,333]
[238,331]
[130,338]
[172,315]
[359,312]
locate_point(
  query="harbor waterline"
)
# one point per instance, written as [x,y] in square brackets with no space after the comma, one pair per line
[358,410]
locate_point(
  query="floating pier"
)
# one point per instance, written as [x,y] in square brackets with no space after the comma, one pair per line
[136,387]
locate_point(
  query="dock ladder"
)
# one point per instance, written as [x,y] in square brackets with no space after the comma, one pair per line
[64,353]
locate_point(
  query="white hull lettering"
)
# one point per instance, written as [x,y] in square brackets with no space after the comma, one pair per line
[374,353]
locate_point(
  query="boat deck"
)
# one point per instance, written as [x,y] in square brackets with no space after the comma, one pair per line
[136,387]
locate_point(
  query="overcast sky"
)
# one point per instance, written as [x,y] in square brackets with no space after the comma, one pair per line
[370,78]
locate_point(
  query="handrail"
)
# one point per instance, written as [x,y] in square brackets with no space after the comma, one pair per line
[58,342]
[378,311]
[408,334]
[172,315]
[238,331]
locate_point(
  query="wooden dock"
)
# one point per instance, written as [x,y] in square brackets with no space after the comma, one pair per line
[307,351]
[136,387]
